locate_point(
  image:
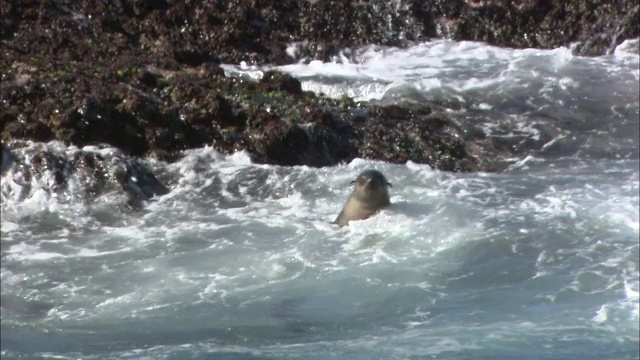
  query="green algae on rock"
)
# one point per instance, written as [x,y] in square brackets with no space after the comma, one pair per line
[144,76]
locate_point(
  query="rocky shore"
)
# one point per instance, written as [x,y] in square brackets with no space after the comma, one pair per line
[143,76]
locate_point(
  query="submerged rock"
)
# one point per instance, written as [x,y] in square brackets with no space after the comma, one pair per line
[76,174]
[8,159]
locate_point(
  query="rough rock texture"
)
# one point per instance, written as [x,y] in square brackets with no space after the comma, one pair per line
[149,111]
[143,75]
[596,27]
[90,173]
[195,32]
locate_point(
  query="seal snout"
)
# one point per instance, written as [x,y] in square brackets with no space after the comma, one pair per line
[371,180]
[368,197]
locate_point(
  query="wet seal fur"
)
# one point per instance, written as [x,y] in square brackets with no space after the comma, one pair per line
[369,196]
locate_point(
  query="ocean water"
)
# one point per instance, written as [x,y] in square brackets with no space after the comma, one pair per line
[240,261]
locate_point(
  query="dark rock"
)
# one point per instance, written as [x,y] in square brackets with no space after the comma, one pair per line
[91,172]
[26,129]
[98,121]
[144,75]
[258,31]
[164,112]
[8,159]
[277,139]
[595,27]
[194,57]
[148,79]
[412,134]
[141,183]
[277,81]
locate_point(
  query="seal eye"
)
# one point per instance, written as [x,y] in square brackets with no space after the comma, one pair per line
[368,196]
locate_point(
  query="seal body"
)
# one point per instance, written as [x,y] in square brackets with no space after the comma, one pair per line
[369,196]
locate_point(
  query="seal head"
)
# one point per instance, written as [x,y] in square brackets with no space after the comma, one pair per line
[369,196]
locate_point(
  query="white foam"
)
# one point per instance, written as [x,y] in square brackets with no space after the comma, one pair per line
[631,290]
[23,252]
[628,48]
[95,253]
[427,66]
[123,299]
[9,226]
[236,240]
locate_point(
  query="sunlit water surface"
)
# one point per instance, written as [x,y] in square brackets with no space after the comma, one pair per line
[240,261]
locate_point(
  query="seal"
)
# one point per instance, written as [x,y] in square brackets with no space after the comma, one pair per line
[369,196]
